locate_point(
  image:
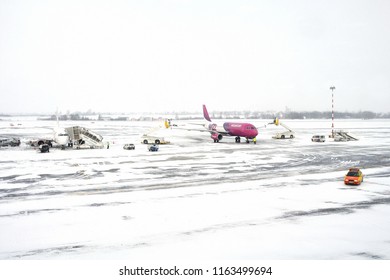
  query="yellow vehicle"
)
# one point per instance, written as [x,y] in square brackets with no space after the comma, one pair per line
[353,177]
[147,139]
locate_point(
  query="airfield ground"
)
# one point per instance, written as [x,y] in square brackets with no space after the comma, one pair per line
[194,199]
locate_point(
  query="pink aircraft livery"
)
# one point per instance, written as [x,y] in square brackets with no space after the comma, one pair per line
[235,129]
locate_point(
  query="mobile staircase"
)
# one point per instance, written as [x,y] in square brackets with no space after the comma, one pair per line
[82,138]
[342,136]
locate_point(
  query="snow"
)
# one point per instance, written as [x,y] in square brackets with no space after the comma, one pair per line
[194,199]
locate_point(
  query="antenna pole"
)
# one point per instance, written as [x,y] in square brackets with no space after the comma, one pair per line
[332,88]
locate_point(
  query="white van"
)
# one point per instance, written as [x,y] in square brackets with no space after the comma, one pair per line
[318,138]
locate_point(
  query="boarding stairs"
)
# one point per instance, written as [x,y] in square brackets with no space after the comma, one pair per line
[341,135]
[82,137]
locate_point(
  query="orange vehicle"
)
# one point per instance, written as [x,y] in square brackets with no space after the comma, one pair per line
[353,177]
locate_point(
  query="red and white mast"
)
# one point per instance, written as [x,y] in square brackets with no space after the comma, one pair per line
[332,88]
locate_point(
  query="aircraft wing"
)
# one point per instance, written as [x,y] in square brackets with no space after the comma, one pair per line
[203,129]
[202,124]
[189,129]
[224,133]
[265,125]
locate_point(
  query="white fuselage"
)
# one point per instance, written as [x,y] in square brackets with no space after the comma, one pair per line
[61,137]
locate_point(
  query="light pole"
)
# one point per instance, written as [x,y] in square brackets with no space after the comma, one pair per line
[332,88]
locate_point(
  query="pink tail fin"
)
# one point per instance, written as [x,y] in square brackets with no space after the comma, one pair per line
[206,114]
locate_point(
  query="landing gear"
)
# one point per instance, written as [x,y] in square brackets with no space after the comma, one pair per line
[238,139]
[216,141]
[247,141]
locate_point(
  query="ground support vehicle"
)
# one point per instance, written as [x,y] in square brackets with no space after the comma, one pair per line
[153,148]
[129,147]
[343,136]
[147,139]
[83,138]
[353,177]
[9,141]
[318,138]
[289,134]
[44,148]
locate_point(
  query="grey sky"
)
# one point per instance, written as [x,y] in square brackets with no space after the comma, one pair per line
[126,56]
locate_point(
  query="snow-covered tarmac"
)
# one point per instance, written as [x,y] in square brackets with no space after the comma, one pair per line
[194,199]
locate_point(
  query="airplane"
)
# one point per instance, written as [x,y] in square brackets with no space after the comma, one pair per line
[235,129]
[74,137]
[60,137]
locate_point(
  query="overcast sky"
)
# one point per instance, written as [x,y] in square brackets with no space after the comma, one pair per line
[174,55]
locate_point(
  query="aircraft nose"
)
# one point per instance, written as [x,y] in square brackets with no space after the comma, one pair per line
[63,140]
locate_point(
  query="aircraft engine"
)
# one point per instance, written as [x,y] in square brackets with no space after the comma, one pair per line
[217,136]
